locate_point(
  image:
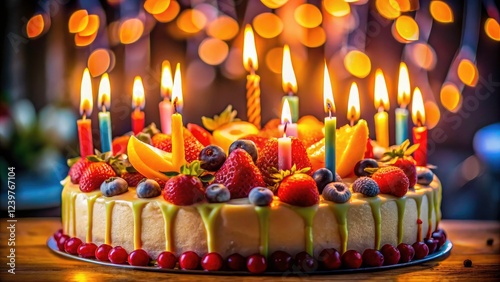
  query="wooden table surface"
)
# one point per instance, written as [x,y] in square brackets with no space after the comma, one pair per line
[36,262]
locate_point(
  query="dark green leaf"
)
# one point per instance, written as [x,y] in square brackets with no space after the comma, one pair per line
[170,173]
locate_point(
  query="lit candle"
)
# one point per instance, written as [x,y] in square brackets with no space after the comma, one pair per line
[382,104]
[104,101]
[284,152]
[84,124]
[166,108]
[138,102]
[177,90]
[403,101]
[353,107]
[251,64]
[330,123]
[287,127]
[419,130]
[178,155]
[289,84]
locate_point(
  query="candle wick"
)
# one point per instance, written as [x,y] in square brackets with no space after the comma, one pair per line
[103,107]
[175,105]
[284,129]
[329,105]
[84,116]
[252,70]
[380,109]
[352,122]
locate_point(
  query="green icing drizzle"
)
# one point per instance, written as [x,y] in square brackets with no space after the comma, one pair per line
[168,211]
[90,211]
[430,202]
[340,212]
[375,204]
[418,201]
[137,207]
[109,209]
[401,203]
[208,215]
[263,215]
[437,204]
[307,214]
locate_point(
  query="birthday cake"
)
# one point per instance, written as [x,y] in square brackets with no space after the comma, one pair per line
[231,196]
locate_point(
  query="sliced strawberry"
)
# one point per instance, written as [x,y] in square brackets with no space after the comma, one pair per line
[200,133]
[119,145]
[299,190]
[133,178]
[95,175]
[76,170]
[183,190]
[192,147]
[409,168]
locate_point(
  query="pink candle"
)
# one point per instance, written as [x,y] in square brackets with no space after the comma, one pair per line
[284,153]
[287,127]
[166,111]
[166,108]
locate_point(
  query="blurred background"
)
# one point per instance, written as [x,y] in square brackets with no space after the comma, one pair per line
[452,49]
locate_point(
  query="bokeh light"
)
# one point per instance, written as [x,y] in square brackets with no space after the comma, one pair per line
[99,62]
[156,6]
[78,21]
[131,30]
[405,29]
[467,72]
[202,73]
[450,97]
[313,37]
[388,9]
[92,26]
[232,67]
[268,25]
[191,21]
[308,15]
[213,51]
[470,168]
[274,59]
[432,114]
[423,55]
[441,11]
[357,63]
[404,5]
[84,40]
[274,4]
[35,26]
[223,28]
[492,29]
[169,14]
[337,8]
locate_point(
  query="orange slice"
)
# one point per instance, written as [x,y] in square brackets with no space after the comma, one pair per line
[148,160]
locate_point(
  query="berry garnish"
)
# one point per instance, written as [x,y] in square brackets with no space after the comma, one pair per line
[192,147]
[236,262]
[248,146]
[189,260]
[148,188]
[406,251]
[306,262]
[467,263]
[77,169]
[391,180]
[256,263]
[114,186]
[322,176]
[95,175]
[391,254]
[58,234]
[217,193]
[102,252]
[298,189]
[166,260]
[212,157]
[261,196]
[329,259]
[359,169]
[440,237]
[117,255]
[133,178]
[60,243]
[280,261]
[425,176]
[421,250]
[351,259]
[366,186]
[212,262]
[138,257]
[432,244]
[87,250]
[400,157]
[186,188]
[71,245]
[337,192]
[200,133]
[372,258]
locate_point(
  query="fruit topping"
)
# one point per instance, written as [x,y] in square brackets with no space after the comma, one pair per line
[118,255]
[310,130]
[337,192]
[239,174]
[212,157]
[62,240]
[366,186]
[261,196]
[369,149]
[359,169]
[236,262]
[400,156]
[114,186]
[119,145]
[391,254]
[247,145]
[372,258]
[258,140]
[280,261]
[76,170]
[58,234]
[217,193]
[432,244]
[306,262]
[71,245]
[421,250]
[200,133]
[148,160]
[102,252]
[132,178]
[138,257]
[189,260]
[424,175]
[256,263]
[87,250]
[298,189]
[329,259]
[192,147]
[186,188]
[212,262]
[95,175]
[322,176]
[440,236]
[166,260]
[406,251]
[351,259]
[148,188]
[392,180]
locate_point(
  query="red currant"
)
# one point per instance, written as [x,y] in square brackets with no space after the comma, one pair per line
[212,262]
[236,262]
[330,259]
[138,257]
[87,250]
[101,253]
[432,244]
[407,252]
[351,259]
[62,240]
[166,260]
[71,245]
[373,258]
[440,236]
[256,263]
[421,250]
[58,234]
[118,255]
[280,261]
[306,262]
[189,260]
[391,254]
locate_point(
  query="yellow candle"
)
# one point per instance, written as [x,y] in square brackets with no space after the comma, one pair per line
[178,157]
[381,101]
[382,128]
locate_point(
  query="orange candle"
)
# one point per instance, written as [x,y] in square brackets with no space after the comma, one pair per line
[84,124]
[138,102]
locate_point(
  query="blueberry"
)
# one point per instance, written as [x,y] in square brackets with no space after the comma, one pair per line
[114,186]
[359,169]
[424,175]
[366,186]
[247,145]
[148,188]
[322,177]
[217,193]
[261,196]
[212,157]
[336,192]
[338,178]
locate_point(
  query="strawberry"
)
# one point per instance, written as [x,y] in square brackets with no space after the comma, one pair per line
[260,141]
[77,169]
[119,145]
[132,178]
[409,168]
[401,157]
[392,180]
[192,147]
[183,190]
[239,174]
[95,175]
[298,190]
[200,133]
[159,138]
[268,158]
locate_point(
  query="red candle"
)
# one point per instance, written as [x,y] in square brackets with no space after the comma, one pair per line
[138,102]
[84,124]
[419,130]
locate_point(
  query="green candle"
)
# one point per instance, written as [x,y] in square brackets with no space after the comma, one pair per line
[293,101]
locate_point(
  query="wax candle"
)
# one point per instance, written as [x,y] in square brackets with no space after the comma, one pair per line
[284,153]
[381,100]
[287,127]
[353,107]
[403,100]
[330,123]
[138,102]
[84,125]
[251,64]
[165,106]
[104,100]
[178,155]
[420,130]
[289,83]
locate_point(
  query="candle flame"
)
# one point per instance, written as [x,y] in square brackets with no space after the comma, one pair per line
[86,94]
[166,80]
[353,107]
[250,61]
[287,73]
[404,90]
[177,87]
[381,97]
[138,99]
[104,98]
[286,113]
[417,108]
[329,103]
